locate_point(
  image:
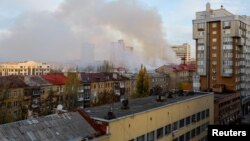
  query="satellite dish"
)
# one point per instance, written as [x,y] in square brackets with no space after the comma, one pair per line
[59,107]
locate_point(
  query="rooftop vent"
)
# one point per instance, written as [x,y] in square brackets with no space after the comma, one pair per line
[124,104]
[110,115]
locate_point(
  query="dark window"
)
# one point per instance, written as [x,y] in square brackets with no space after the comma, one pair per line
[194,118]
[175,125]
[203,114]
[193,133]
[187,120]
[159,133]
[150,136]
[131,140]
[181,138]
[198,130]
[141,138]
[187,136]
[182,123]
[198,116]
[168,129]
[176,139]
[207,113]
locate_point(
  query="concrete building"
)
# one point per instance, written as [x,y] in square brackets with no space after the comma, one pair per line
[183,51]
[223,52]
[226,108]
[24,68]
[101,83]
[180,76]
[180,118]
[12,92]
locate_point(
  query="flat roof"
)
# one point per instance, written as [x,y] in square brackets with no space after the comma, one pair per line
[223,95]
[136,106]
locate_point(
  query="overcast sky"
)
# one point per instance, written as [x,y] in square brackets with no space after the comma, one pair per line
[176,15]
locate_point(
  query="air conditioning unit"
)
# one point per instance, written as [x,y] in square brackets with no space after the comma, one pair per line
[174,133]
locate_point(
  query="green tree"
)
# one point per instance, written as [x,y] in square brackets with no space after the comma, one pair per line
[71,86]
[142,83]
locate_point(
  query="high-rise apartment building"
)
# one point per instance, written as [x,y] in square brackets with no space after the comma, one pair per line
[223,51]
[183,51]
[24,68]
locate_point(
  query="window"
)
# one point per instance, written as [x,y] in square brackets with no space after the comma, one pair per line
[213,54]
[226,24]
[200,63]
[194,118]
[200,70]
[198,130]
[227,47]
[214,32]
[227,31]
[187,136]
[214,40]
[159,133]
[175,125]
[203,114]
[214,62]
[193,133]
[188,120]
[181,138]
[200,33]
[182,123]
[198,116]
[227,40]
[150,136]
[141,138]
[214,47]
[200,41]
[201,26]
[168,129]
[207,113]
[200,48]
[214,25]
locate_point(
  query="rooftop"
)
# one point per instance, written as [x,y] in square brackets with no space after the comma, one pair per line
[223,95]
[57,127]
[34,80]
[101,77]
[12,82]
[137,106]
[55,79]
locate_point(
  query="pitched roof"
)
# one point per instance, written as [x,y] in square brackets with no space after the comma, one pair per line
[101,77]
[34,80]
[55,79]
[56,127]
[183,67]
[12,82]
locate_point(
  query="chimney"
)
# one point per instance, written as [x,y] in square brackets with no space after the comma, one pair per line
[221,6]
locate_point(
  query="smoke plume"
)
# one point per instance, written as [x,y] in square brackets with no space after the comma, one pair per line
[84,29]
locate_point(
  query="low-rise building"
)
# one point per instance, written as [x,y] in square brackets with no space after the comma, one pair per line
[12,93]
[24,68]
[226,108]
[101,83]
[180,118]
[180,75]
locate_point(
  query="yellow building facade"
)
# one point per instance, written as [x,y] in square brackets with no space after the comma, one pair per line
[181,118]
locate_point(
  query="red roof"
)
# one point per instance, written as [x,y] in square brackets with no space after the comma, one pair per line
[55,79]
[183,67]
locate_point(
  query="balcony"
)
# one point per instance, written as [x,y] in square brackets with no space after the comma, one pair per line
[80,99]
[35,105]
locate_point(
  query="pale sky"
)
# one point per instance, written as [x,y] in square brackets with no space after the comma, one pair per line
[176,15]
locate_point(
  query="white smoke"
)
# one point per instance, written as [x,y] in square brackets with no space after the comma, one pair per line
[70,32]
